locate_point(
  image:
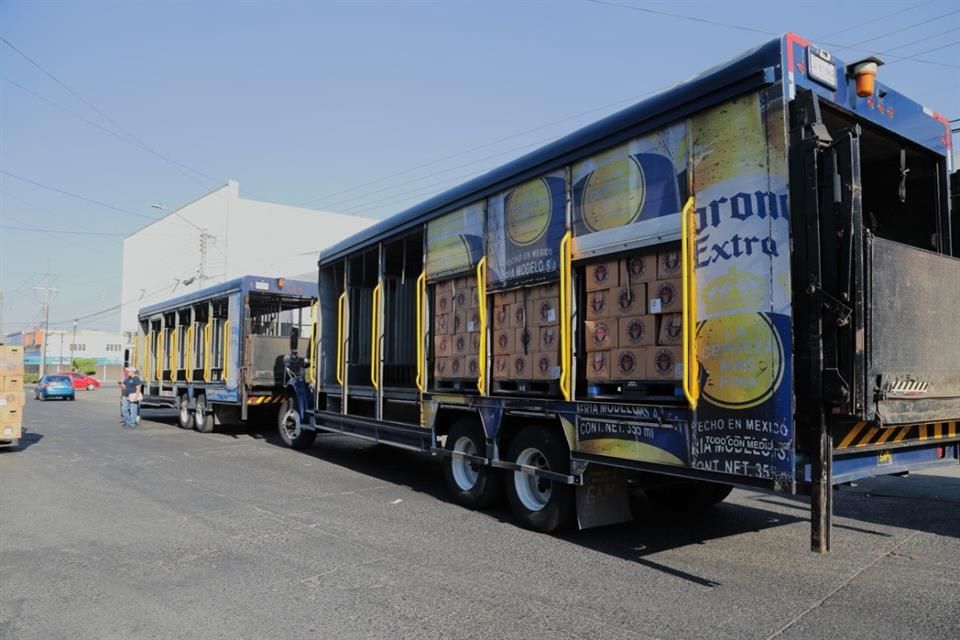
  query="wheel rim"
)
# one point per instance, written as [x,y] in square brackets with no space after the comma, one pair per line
[465,473]
[291,425]
[89,387]
[201,410]
[533,491]
[184,411]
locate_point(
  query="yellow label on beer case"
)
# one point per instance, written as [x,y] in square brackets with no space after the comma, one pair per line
[742,357]
[614,194]
[527,214]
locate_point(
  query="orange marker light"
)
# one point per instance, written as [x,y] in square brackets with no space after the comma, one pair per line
[865,73]
[280,283]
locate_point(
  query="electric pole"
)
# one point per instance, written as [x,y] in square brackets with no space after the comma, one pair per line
[73,345]
[46,321]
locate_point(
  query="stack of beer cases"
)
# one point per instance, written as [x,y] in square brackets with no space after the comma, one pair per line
[632,321]
[11,392]
[526,333]
[456,329]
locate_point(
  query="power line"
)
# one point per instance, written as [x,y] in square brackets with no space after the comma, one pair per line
[945,46]
[61,231]
[177,165]
[837,46]
[900,30]
[74,195]
[478,147]
[877,19]
[924,39]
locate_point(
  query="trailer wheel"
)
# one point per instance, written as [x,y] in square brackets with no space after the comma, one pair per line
[291,430]
[688,497]
[184,417]
[540,504]
[202,416]
[470,484]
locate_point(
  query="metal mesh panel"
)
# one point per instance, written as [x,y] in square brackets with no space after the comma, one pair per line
[915,310]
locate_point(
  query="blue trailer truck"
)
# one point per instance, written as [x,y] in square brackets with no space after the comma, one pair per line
[748,279]
[217,355]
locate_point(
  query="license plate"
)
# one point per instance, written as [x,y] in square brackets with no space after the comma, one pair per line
[820,66]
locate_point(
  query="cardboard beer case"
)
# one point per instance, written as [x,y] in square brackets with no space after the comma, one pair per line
[670,329]
[11,399]
[441,368]
[442,301]
[599,304]
[628,364]
[668,265]
[459,322]
[664,363]
[504,342]
[521,367]
[11,383]
[546,366]
[501,316]
[640,267]
[631,300]
[472,366]
[636,331]
[548,339]
[598,365]
[458,367]
[666,296]
[501,366]
[442,346]
[11,415]
[546,291]
[501,298]
[603,275]
[11,360]
[544,312]
[601,335]
[442,325]
[472,320]
[518,314]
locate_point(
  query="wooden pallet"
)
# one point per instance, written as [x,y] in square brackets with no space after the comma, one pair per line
[458,385]
[541,388]
[635,390]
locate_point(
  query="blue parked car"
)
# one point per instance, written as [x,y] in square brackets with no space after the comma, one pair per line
[54,386]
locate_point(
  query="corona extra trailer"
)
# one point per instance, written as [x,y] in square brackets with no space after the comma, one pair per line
[748,279]
[217,355]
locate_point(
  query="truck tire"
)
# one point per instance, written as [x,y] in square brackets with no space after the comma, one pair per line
[202,416]
[292,432]
[537,503]
[184,415]
[470,484]
[688,497]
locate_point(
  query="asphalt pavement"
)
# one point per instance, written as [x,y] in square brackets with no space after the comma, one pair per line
[160,533]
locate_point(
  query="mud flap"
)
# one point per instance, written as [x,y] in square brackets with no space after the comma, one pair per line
[603,497]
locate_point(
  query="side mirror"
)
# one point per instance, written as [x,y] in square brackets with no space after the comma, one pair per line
[294,338]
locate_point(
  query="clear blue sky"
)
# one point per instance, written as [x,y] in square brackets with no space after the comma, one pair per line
[299,101]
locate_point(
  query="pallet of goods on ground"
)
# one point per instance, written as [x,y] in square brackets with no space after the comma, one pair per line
[12,397]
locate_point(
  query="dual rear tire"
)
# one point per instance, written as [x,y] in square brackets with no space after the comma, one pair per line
[537,503]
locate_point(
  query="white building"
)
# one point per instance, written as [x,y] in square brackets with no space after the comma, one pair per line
[221,236]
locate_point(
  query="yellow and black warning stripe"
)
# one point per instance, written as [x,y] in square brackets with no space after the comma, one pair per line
[276,398]
[863,434]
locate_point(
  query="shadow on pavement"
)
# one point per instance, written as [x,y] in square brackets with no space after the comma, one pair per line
[27,440]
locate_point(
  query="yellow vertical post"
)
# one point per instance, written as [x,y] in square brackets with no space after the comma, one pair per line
[311,348]
[691,371]
[340,354]
[190,349]
[207,351]
[159,356]
[225,365]
[566,349]
[421,294]
[482,304]
[375,339]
